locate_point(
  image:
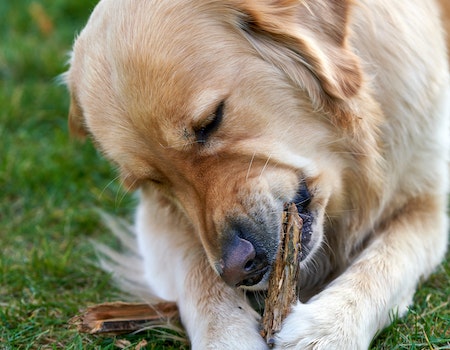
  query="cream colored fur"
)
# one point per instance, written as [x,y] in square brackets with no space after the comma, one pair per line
[353,97]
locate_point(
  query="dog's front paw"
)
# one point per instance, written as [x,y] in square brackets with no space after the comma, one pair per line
[235,338]
[234,328]
[319,326]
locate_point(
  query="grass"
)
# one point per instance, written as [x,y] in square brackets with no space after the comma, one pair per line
[51,185]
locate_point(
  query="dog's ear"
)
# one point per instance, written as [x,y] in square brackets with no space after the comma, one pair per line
[76,118]
[306,35]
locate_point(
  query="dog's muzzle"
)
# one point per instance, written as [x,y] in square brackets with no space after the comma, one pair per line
[251,243]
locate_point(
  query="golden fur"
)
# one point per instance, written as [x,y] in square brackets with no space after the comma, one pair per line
[350,98]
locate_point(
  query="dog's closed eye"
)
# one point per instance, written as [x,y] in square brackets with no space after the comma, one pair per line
[210,125]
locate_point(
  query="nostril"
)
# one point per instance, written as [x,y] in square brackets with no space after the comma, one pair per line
[249,265]
[240,263]
[237,261]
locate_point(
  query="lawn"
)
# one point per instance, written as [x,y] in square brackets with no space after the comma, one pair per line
[51,185]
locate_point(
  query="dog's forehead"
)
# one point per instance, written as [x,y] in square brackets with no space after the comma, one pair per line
[170,98]
[153,69]
[171,70]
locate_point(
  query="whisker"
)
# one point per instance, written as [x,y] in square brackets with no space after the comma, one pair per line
[250,166]
[108,184]
[265,165]
[117,200]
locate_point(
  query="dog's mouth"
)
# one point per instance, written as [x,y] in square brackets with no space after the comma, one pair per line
[247,258]
[307,218]
[254,278]
[261,275]
[302,201]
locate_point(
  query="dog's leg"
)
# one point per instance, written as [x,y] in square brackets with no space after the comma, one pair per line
[214,315]
[380,283]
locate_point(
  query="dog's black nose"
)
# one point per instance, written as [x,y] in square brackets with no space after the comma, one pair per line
[241,264]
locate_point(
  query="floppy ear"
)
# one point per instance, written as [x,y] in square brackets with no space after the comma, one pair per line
[76,118]
[308,40]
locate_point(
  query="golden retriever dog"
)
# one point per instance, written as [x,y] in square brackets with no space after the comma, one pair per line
[219,112]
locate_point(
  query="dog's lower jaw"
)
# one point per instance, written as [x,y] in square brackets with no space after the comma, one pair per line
[261,285]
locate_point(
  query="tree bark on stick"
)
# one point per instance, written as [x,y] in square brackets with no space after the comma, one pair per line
[118,317]
[284,280]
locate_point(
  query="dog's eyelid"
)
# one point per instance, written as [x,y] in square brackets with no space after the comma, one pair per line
[210,125]
[151,176]
[156,179]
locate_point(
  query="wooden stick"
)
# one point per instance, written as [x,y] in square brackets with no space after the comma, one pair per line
[283,282]
[118,317]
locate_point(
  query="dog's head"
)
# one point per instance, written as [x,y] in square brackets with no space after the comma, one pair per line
[228,109]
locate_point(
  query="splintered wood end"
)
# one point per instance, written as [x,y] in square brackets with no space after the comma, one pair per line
[118,317]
